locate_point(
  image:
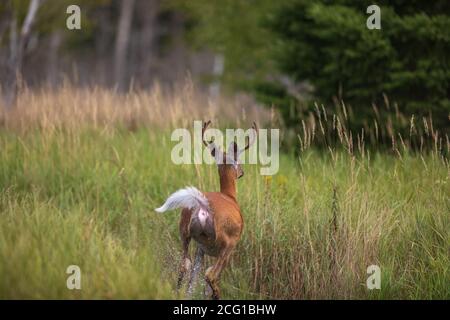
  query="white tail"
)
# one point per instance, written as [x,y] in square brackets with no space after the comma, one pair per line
[190,198]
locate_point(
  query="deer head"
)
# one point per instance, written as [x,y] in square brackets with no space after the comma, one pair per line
[228,162]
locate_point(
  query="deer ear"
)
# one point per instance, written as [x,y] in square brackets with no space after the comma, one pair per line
[216,153]
[212,149]
[233,150]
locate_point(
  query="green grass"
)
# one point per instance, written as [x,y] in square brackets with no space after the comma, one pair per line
[86,197]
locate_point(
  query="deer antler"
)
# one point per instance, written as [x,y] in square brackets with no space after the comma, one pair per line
[251,140]
[204,127]
[209,144]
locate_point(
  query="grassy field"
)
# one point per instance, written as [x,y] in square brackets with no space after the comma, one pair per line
[82,171]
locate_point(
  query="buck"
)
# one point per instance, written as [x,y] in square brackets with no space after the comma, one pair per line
[212,219]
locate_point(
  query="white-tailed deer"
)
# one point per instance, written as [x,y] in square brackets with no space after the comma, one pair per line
[212,219]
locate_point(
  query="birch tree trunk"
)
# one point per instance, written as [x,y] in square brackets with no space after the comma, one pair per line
[18,47]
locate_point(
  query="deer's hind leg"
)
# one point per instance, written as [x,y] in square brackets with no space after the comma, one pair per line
[212,274]
[185,265]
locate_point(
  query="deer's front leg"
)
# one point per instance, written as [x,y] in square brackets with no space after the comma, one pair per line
[213,273]
[198,261]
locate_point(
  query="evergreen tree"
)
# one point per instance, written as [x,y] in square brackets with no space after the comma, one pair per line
[407,61]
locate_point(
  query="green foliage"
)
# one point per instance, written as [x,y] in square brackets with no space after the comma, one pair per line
[405,65]
[407,60]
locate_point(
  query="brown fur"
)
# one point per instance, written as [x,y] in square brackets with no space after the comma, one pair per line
[228,225]
[227,222]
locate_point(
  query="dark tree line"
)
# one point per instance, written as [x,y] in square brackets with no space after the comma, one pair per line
[121,43]
[289,54]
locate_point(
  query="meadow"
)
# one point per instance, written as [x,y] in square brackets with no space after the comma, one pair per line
[81,171]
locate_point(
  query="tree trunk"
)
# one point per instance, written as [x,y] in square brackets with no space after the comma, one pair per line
[122,39]
[218,66]
[18,47]
[53,61]
[144,68]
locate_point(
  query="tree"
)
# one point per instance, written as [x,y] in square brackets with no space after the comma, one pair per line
[406,62]
[122,39]
[279,49]
[18,45]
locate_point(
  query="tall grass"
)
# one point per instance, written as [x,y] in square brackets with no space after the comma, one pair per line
[82,170]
